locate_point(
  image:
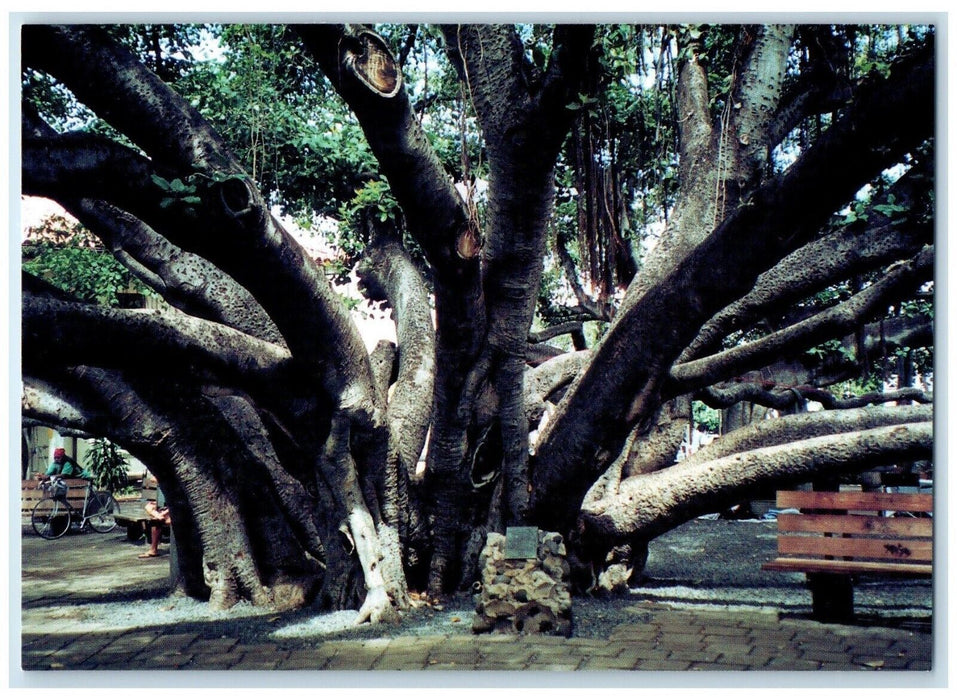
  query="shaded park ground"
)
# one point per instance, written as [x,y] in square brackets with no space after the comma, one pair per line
[89,602]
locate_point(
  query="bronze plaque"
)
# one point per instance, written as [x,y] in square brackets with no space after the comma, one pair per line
[521,543]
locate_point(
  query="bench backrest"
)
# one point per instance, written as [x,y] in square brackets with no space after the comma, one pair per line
[857,525]
[31,493]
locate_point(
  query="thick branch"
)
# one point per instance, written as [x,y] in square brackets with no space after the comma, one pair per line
[800,426]
[717,162]
[59,333]
[339,471]
[201,449]
[410,408]
[597,311]
[784,399]
[115,85]
[297,504]
[901,396]
[650,450]
[757,95]
[701,160]
[826,261]
[53,406]
[545,380]
[523,134]
[185,280]
[85,165]
[555,331]
[435,213]
[879,338]
[831,323]
[694,115]
[649,504]
[571,45]
[822,87]
[437,218]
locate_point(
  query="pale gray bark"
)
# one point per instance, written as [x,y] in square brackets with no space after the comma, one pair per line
[49,405]
[829,260]
[232,229]
[543,381]
[838,320]
[650,504]
[410,404]
[125,338]
[185,280]
[794,428]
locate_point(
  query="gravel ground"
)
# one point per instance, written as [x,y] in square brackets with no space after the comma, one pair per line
[704,563]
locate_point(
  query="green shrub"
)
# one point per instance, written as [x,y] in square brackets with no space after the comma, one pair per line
[108,464]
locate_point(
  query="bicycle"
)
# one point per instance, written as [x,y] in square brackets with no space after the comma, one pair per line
[53,515]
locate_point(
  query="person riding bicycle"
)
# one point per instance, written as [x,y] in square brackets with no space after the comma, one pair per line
[66,466]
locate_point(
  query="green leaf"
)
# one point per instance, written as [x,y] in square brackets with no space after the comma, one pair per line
[160,182]
[179,186]
[889,209]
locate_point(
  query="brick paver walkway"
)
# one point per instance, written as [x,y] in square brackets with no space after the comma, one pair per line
[665,640]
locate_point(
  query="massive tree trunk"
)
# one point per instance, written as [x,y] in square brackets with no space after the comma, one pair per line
[289,454]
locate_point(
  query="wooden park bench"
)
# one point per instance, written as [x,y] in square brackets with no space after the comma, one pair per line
[31,494]
[135,519]
[839,536]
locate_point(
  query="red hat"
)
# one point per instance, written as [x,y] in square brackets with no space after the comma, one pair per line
[59,452]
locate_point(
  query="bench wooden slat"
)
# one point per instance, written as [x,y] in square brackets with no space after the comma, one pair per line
[35,483]
[31,497]
[856,525]
[857,500]
[47,511]
[76,503]
[832,566]
[31,493]
[896,550]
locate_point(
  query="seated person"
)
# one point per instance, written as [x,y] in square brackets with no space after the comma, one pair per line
[160,513]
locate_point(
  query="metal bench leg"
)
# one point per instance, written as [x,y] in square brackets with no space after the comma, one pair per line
[832,597]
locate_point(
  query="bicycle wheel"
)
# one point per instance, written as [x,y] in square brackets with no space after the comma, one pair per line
[50,518]
[102,510]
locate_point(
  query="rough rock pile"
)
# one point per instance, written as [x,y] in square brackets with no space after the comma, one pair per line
[523,596]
